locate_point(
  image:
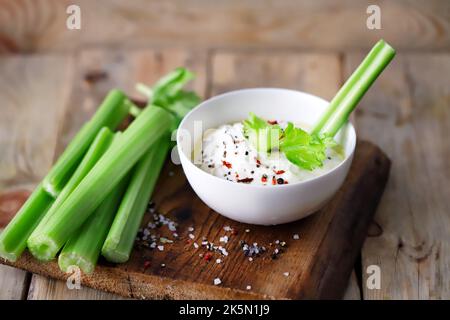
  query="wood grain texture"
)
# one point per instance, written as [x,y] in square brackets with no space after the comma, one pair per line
[319,74]
[99,70]
[408,114]
[13,283]
[27,145]
[353,291]
[42,288]
[186,275]
[40,25]
[319,264]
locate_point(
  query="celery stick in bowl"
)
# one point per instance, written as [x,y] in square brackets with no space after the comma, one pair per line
[235,175]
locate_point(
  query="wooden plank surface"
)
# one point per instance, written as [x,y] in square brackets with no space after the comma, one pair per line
[27,146]
[317,265]
[42,288]
[408,114]
[30,26]
[353,291]
[99,69]
[13,283]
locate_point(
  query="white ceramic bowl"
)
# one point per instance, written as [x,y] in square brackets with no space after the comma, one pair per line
[255,204]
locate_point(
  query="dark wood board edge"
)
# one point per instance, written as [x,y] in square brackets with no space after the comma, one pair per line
[338,251]
[137,285]
[326,279]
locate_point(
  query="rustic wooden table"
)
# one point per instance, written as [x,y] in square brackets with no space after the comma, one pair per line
[49,92]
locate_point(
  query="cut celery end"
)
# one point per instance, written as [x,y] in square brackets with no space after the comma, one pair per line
[10,256]
[111,253]
[41,247]
[13,238]
[85,245]
[121,236]
[70,259]
[110,114]
[142,133]
[98,147]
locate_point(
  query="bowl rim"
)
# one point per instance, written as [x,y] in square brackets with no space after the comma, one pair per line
[187,161]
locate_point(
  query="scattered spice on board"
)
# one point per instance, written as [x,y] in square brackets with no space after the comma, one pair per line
[149,235]
[148,238]
[207,256]
[251,250]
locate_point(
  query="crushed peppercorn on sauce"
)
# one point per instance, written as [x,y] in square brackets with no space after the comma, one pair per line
[227,154]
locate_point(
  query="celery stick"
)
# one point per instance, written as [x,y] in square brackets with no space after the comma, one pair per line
[98,147]
[83,248]
[14,237]
[142,133]
[354,89]
[110,114]
[121,236]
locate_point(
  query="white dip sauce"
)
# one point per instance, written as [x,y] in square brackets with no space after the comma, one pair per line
[228,155]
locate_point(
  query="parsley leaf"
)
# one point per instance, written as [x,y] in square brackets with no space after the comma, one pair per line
[305,150]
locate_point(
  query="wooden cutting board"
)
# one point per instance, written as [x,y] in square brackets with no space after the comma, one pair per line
[317,265]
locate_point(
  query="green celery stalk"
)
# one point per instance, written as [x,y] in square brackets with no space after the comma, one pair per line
[13,239]
[354,89]
[110,114]
[121,236]
[142,133]
[98,147]
[83,248]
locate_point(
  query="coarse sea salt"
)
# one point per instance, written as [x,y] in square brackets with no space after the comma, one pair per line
[217,281]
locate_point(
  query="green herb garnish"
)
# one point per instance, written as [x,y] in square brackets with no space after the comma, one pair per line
[264,136]
[308,150]
[305,150]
